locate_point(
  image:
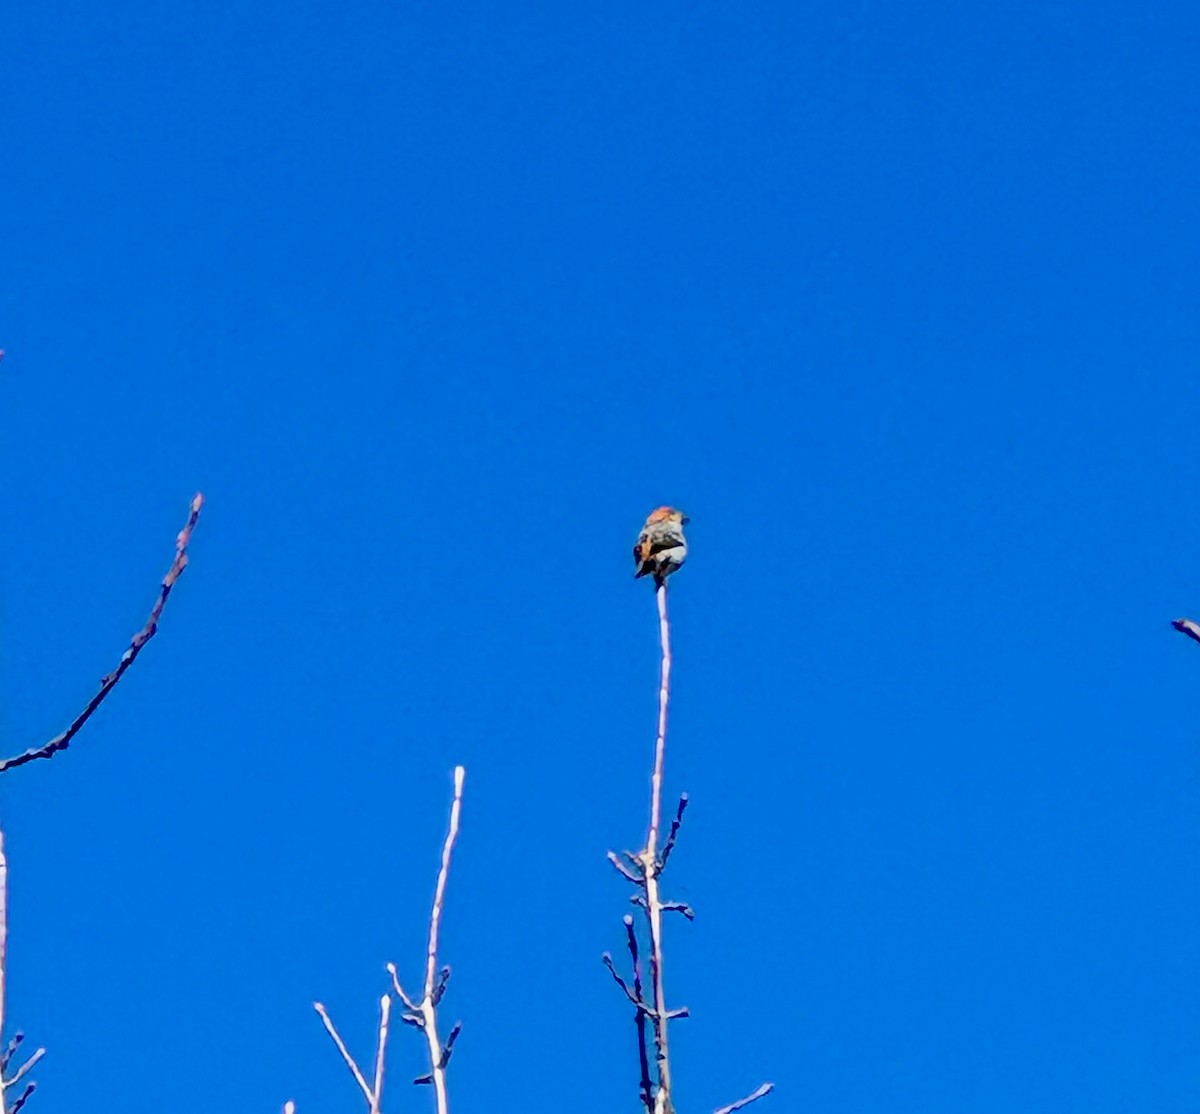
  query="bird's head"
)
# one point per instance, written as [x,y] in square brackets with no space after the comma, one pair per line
[667,514]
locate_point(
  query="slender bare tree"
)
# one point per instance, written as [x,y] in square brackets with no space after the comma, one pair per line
[645,869]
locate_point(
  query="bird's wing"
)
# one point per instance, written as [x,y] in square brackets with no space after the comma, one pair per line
[641,549]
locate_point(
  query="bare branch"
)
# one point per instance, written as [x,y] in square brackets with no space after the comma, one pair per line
[341,1047]
[440,989]
[385,1006]
[764,1090]
[646,1087]
[666,906]
[622,869]
[643,871]
[1186,626]
[651,866]
[24,1069]
[408,1002]
[15,1043]
[4,952]
[108,683]
[635,998]
[439,894]
[23,1099]
[449,1047]
[669,845]
[423,1014]
[647,868]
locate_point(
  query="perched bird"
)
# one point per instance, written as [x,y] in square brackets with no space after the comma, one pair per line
[661,547]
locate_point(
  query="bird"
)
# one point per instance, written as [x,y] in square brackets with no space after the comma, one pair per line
[661,547]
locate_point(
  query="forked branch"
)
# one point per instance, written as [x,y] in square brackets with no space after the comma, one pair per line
[420,1014]
[423,1014]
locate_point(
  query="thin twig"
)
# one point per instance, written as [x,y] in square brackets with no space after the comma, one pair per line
[765,1089]
[635,998]
[4,964]
[622,869]
[660,744]
[646,872]
[448,1048]
[385,1006]
[651,866]
[341,1047]
[439,894]
[669,845]
[1186,626]
[15,1043]
[438,1055]
[440,989]
[646,1087]
[24,1098]
[667,906]
[108,683]
[4,952]
[408,1002]
[25,1068]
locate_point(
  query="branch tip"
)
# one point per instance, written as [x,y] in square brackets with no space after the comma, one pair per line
[1188,627]
[762,1092]
[23,1099]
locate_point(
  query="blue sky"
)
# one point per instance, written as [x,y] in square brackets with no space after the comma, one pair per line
[434,301]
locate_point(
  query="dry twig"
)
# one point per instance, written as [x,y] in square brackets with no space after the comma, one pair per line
[647,1087]
[385,1008]
[764,1090]
[652,867]
[423,1014]
[108,683]
[1186,626]
[341,1047]
[419,1014]
[645,871]
[7,1081]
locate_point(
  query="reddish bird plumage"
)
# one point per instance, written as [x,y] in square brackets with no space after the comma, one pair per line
[661,547]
